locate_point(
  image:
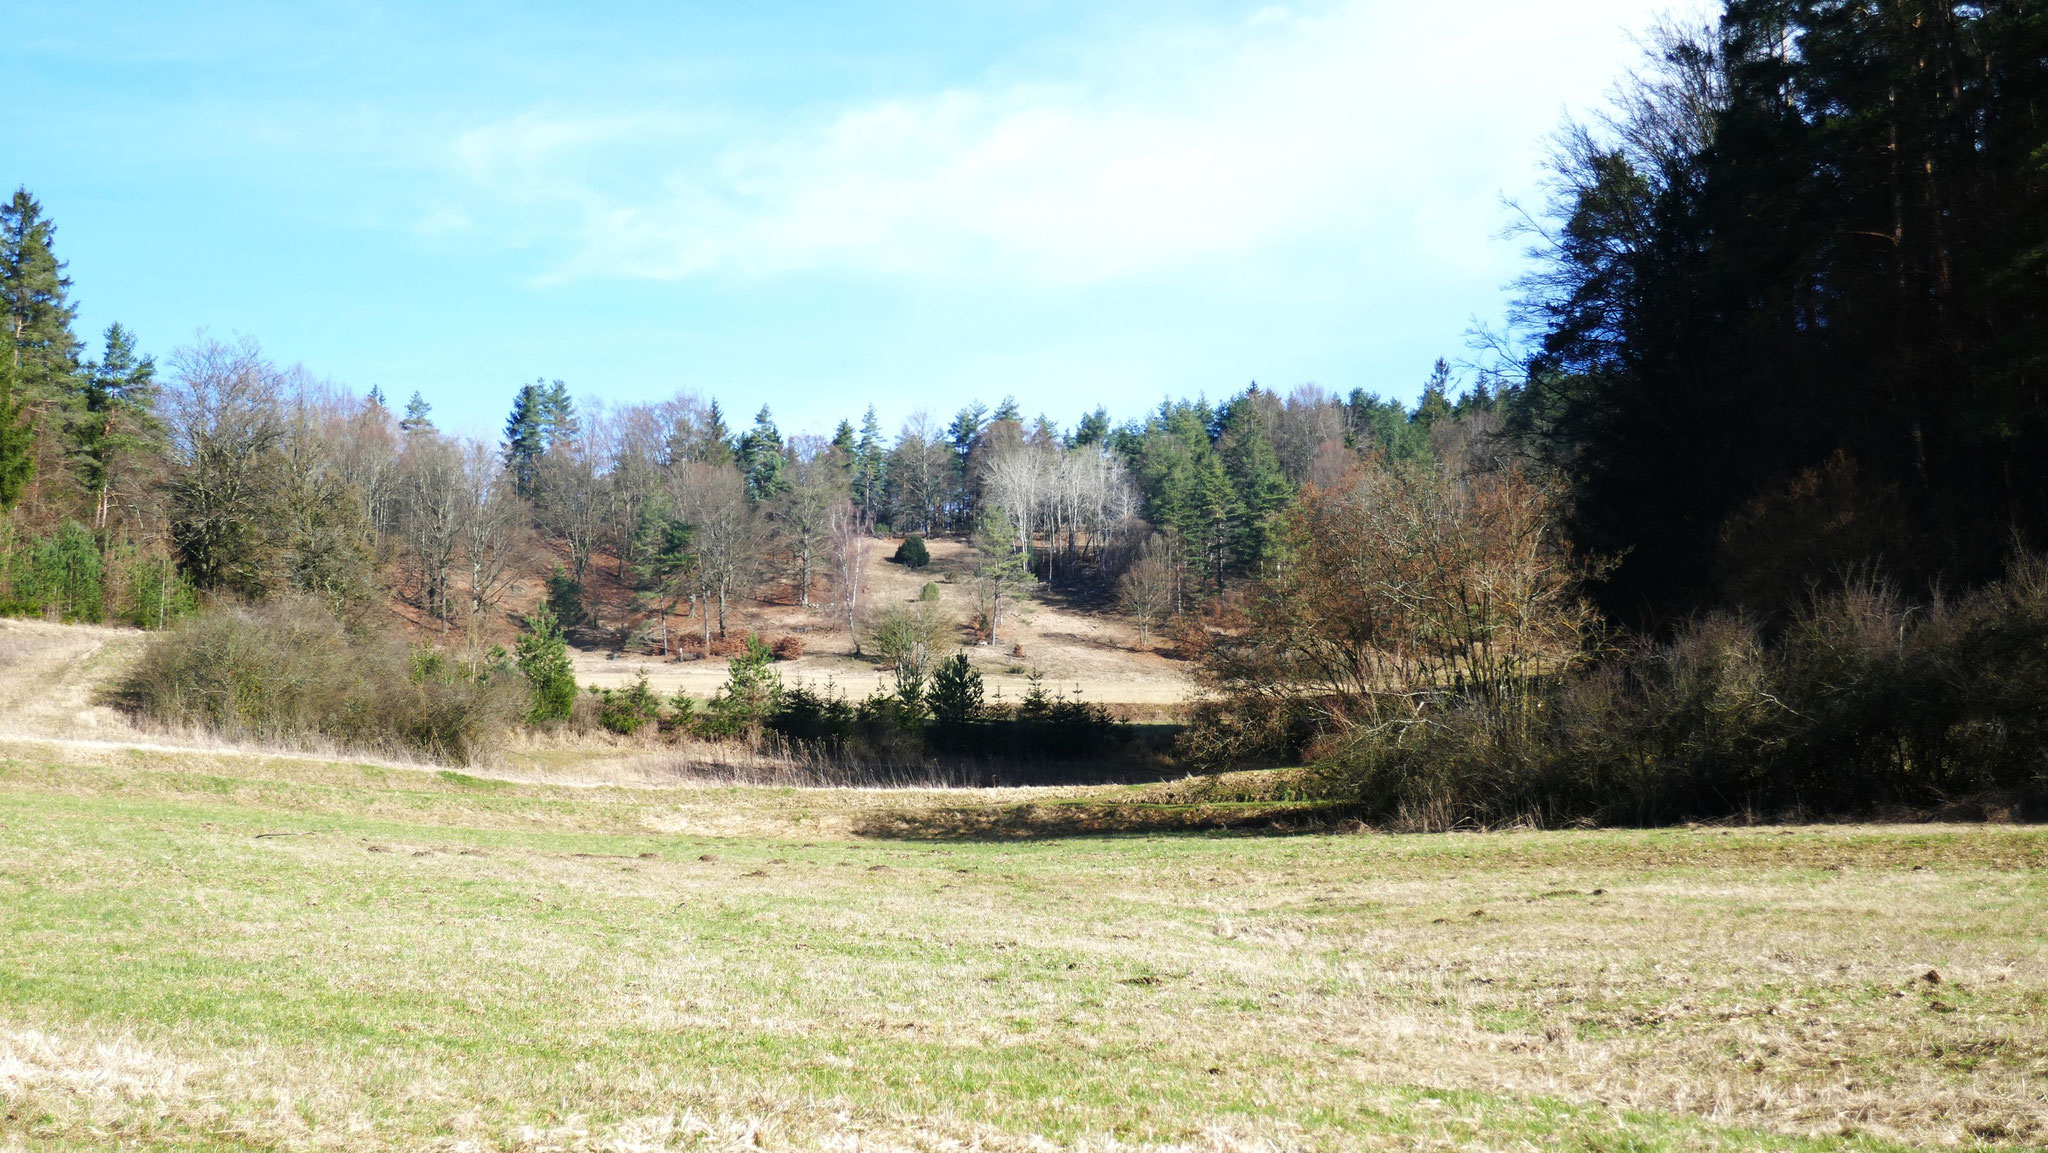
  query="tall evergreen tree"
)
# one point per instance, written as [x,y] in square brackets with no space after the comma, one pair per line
[35,299]
[1093,429]
[17,438]
[717,437]
[1792,307]
[870,468]
[1258,484]
[112,417]
[526,436]
[558,420]
[418,415]
[759,456]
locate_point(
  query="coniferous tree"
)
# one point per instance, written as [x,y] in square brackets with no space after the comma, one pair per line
[558,420]
[418,415]
[17,438]
[1791,308]
[1259,487]
[759,456]
[716,444]
[526,436]
[112,417]
[35,298]
[870,469]
[1093,429]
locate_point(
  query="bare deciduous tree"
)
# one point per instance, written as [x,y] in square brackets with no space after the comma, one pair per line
[850,551]
[493,528]
[221,415]
[1148,590]
[431,503]
[713,500]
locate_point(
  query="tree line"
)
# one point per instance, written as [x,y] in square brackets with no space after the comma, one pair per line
[137,490]
[1765,532]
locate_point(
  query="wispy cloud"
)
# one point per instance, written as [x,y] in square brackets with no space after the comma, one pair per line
[1383,129]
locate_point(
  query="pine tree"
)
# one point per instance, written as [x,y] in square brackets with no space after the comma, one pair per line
[759,457]
[870,468]
[1093,429]
[1259,486]
[111,416]
[558,421]
[526,436]
[1007,411]
[717,437]
[34,295]
[418,415]
[544,660]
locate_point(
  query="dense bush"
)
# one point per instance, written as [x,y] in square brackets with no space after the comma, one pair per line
[626,711]
[945,715]
[912,553]
[544,662]
[288,672]
[1862,702]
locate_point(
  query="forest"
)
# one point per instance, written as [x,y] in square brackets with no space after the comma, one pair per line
[1740,513]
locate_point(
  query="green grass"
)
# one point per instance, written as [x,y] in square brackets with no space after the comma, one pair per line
[214,951]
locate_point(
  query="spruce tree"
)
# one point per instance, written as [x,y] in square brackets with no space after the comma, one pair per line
[717,436]
[526,436]
[760,457]
[1093,429]
[1259,486]
[558,421]
[544,661]
[111,417]
[35,298]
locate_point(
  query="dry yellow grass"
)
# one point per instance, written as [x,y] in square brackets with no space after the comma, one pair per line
[1092,652]
[222,948]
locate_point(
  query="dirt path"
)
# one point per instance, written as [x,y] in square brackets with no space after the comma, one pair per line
[50,675]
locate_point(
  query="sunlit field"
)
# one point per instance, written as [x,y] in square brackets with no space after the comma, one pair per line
[222,950]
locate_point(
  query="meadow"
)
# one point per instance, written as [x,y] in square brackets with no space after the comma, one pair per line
[221,949]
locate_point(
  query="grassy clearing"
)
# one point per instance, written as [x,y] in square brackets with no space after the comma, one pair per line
[215,950]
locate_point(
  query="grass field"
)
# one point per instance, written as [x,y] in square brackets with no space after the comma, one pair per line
[220,950]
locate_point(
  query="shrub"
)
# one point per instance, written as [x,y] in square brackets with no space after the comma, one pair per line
[912,553]
[788,648]
[60,575]
[544,661]
[929,593]
[956,691]
[288,672]
[749,697]
[908,637]
[1863,701]
[626,711]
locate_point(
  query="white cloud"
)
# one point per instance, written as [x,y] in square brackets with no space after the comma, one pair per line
[1384,130]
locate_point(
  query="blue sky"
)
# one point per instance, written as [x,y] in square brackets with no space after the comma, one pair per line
[814,206]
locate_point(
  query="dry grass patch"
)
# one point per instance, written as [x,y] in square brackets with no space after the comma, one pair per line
[438,960]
